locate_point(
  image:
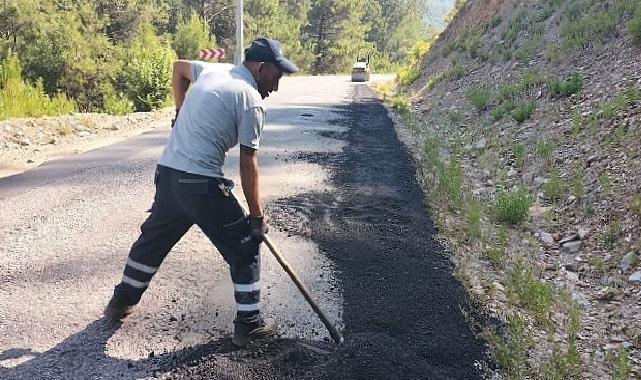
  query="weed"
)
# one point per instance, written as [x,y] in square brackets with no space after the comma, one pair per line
[635,204]
[577,122]
[434,80]
[578,183]
[511,32]
[450,182]
[474,218]
[454,117]
[553,54]
[565,88]
[605,182]
[432,152]
[565,365]
[495,256]
[510,351]
[523,111]
[545,150]
[507,91]
[457,71]
[634,26]
[511,206]
[495,21]
[554,188]
[525,289]
[530,78]
[619,363]
[479,97]
[400,105]
[610,236]
[519,154]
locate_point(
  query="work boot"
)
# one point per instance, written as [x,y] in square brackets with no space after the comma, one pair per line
[245,332]
[117,309]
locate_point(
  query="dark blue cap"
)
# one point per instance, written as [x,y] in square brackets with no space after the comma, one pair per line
[268,50]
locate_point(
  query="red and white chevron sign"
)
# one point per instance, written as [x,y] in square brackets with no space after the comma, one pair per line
[212,54]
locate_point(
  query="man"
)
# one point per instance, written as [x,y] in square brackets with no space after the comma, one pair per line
[222,109]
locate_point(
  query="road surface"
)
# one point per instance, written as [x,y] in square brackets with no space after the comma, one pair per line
[345,209]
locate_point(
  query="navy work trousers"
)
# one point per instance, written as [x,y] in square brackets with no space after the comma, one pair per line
[182,200]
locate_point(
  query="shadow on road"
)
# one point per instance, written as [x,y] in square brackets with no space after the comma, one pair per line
[83,356]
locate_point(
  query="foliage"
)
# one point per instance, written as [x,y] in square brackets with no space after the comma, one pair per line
[401,105]
[523,111]
[116,103]
[634,25]
[450,182]
[511,349]
[511,206]
[409,73]
[479,97]
[22,99]
[565,88]
[525,289]
[147,71]
[191,36]
[554,188]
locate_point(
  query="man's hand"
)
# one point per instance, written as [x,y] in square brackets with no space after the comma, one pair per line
[258,227]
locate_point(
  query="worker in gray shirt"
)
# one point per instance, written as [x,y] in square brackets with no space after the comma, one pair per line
[223,108]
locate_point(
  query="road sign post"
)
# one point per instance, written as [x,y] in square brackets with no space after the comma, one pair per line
[239,32]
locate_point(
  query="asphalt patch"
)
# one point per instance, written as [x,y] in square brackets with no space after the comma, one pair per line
[403,308]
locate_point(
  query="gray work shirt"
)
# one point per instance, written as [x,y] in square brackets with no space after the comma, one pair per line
[222,109]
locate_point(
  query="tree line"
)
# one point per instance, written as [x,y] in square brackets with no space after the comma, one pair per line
[116,55]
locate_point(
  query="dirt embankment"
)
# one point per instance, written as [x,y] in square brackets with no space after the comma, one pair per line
[539,96]
[28,142]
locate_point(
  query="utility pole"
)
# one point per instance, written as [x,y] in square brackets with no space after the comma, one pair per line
[238,58]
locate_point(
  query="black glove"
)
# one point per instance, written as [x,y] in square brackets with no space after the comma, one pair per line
[258,227]
[173,121]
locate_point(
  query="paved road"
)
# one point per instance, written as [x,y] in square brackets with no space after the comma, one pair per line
[66,228]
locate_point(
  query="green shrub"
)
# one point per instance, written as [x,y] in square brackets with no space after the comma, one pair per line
[619,363]
[479,97]
[565,88]
[116,104]
[457,71]
[474,218]
[511,206]
[523,111]
[408,75]
[554,188]
[400,105]
[611,234]
[450,182]
[545,151]
[525,289]
[22,99]
[147,71]
[191,36]
[634,26]
[501,110]
[519,154]
[511,350]
[495,21]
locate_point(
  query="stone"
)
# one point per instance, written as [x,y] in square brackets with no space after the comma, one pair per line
[83,133]
[24,141]
[512,172]
[538,181]
[481,144]
[627,261]
[547,239]
[53,141]
[582,232]
[635,277]
[569,238]
[30,161]
[571,246]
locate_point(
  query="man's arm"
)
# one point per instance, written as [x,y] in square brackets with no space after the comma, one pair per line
[180,80]
[249,180]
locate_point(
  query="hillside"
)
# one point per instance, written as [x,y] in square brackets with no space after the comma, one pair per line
[525,122]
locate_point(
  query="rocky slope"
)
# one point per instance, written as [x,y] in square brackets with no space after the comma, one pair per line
[536,106]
